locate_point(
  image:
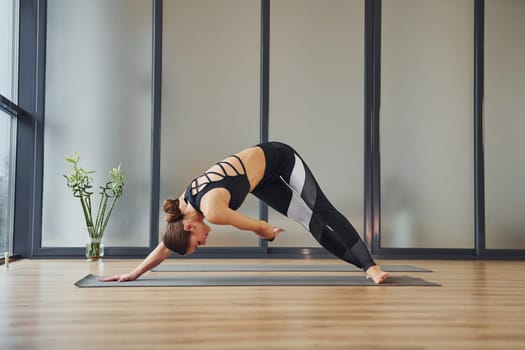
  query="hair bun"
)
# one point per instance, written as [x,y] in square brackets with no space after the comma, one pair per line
[171,207]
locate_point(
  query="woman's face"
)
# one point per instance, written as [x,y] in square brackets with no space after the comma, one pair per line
[199,233]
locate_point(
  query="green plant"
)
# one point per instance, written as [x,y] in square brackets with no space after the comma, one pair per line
[80,182]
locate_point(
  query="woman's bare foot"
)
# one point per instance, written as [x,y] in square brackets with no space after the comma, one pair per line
[377,275]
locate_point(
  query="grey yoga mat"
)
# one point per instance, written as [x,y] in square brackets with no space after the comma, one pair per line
[208,281]
[278,267]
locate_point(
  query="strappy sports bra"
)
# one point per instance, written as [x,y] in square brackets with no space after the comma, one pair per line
[238,185]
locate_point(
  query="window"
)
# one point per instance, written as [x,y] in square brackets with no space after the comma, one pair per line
[97,103]
[5,181]
[8,89]
[504,123]
[226,78]
[426,98]
[331,51]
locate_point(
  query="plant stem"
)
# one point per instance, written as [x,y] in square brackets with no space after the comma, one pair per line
[97,220]
[86,215]
[113,202]
[88,201]
[100,220]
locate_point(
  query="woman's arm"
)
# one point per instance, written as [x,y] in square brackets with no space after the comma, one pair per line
[221,215]
[154,258]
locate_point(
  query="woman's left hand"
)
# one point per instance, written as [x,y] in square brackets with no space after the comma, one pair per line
[276,231]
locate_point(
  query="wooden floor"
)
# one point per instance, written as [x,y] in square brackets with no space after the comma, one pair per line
[481,305]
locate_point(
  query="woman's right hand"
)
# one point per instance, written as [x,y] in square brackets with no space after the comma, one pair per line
[120,278]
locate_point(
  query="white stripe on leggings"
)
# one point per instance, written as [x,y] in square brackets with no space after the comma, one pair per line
[298,210]
[298,177]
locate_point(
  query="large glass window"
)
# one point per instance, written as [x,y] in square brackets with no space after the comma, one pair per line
[8,48]
[426,124]
[210,88]
[98,103]
[5,182]
[8,88]
[316,100]
[504,124]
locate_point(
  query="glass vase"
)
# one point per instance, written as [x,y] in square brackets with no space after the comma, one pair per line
[94,249]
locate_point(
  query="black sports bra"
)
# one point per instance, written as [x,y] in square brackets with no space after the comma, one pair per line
[238,186]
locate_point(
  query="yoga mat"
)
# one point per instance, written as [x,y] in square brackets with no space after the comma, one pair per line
[208,281]
[279,267]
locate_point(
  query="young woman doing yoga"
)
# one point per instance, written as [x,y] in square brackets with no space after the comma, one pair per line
[277,175]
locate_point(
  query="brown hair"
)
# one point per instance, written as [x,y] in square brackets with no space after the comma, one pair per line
[175,238]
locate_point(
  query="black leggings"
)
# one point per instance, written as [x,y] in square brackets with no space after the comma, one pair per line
[289,187]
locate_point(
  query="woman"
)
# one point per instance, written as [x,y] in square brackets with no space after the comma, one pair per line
[277,175]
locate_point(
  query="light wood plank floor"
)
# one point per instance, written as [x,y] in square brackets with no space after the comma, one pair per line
[481,305]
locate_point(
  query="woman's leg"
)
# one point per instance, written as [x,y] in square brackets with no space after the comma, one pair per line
[296,194]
